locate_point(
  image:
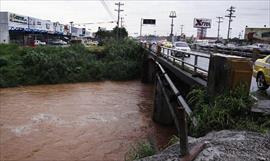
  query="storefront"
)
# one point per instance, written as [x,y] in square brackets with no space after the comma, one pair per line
[23,30]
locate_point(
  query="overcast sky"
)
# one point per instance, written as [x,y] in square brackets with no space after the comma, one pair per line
[250,13]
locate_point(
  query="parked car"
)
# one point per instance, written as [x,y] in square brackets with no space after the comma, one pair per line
[181,46]
[167,44]
[38,42]
[261,71]
[58,42]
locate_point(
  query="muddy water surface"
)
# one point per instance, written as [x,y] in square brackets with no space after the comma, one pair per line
[84,121]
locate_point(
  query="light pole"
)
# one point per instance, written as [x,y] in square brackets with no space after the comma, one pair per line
[182,26]
[172,16]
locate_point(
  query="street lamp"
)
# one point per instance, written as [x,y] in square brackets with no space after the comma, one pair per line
[172,16]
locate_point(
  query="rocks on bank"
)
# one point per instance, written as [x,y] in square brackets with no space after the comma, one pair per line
[223,146]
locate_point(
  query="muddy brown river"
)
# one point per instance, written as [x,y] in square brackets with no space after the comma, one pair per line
[83,121]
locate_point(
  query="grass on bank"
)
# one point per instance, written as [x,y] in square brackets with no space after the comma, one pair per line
[231,110]
[140,150]
[116,60]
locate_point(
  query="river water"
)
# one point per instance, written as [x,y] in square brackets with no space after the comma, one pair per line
[83,121]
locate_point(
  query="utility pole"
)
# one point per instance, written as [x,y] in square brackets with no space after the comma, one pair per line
[118,11]
[182,26]
[172,16]
[71,25]
[219,21]
[231,10]
[121,22]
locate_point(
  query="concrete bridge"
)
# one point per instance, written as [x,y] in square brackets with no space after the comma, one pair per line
[174,73]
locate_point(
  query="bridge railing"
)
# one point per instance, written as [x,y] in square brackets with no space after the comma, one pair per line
[176,103]
[171,54]
[238,51]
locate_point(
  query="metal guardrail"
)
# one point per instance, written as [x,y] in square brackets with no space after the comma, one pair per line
[169,52]
[179,112]
[238,51]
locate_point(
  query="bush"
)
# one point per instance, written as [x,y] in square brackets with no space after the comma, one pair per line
[232,110]
[47,64]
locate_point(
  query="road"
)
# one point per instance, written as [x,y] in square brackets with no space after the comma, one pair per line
[204,63]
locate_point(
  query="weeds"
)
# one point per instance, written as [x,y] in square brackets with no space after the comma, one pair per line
[228,111]
[140,150]
[48,65]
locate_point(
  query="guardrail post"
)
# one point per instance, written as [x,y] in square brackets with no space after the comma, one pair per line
[195,63]
[182,131]
[158,50]
[183,57]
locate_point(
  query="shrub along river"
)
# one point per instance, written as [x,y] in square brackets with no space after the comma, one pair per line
[82,121]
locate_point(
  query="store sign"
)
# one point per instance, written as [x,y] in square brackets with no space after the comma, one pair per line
[202,23]
[18,19]
[149,21]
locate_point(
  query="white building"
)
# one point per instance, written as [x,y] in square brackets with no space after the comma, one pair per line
[15,28]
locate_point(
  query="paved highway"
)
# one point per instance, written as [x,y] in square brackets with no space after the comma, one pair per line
[204,64]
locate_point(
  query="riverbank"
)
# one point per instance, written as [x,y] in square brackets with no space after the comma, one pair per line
[116,60]
[224,145]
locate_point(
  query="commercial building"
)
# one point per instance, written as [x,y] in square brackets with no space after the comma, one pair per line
[23,30]
[257,34]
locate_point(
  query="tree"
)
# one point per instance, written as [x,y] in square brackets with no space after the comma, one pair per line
[121,31]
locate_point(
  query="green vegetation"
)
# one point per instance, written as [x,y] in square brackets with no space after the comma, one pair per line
[228,111]
[116,33]
[140,150]
[116,60]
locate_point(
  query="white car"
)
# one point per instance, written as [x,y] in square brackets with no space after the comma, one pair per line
[38,42]
[181,46]
[59,42]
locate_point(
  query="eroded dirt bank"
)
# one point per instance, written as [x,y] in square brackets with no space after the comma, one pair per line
[84,121]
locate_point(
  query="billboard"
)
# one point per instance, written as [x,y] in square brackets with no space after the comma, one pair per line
[149,21]
[202,23]
[257,34]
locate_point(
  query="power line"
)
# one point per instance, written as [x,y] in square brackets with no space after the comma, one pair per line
[107,9]
[219,21]
[231,10]
[118,11]
[92,23]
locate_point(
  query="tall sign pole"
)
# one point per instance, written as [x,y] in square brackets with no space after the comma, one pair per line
[219,21]
[146,22]
[230,15]
[172,16]
[141,28]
